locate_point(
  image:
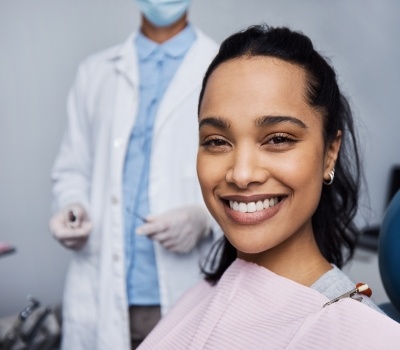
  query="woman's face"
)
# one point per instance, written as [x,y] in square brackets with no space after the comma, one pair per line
[261,159]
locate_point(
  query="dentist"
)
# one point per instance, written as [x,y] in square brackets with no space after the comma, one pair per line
[126,195]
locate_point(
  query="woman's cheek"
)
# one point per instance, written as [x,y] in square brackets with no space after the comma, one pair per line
[210,174]
[298,168]
[203,173]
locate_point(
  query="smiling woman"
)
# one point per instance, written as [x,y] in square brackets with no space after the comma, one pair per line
[272,154]
[274,129]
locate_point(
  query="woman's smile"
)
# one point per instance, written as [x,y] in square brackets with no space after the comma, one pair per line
[252,209]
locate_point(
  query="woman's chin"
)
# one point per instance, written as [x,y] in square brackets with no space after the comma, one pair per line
[246,247]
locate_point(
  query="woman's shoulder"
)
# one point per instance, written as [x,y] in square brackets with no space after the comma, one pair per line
[335,283]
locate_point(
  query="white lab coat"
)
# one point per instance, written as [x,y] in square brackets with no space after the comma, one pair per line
[102,107]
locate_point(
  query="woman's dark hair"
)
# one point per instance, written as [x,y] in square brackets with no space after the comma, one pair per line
[334,229]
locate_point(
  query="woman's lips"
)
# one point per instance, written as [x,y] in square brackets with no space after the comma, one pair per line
[249,218]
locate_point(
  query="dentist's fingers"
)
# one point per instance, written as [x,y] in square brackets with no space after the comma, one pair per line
[153,228]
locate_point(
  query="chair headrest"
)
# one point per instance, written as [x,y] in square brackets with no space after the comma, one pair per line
[389,251]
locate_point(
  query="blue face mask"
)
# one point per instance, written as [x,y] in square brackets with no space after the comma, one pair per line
[163,13]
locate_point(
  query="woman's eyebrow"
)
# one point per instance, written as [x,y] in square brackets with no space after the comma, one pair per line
[216,122]
[277,119]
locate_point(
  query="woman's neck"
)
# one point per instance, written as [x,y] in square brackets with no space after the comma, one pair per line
[299,260]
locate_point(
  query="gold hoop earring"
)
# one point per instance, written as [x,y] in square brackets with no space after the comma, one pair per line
[331,177]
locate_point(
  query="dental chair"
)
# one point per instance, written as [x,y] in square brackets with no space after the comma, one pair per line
[389,257]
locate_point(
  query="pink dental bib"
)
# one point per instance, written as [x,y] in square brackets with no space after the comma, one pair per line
[253,308]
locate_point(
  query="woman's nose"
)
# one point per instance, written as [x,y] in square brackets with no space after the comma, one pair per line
[246,169]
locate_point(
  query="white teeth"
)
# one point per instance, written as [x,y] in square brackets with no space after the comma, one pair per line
[253,206]
[243,207]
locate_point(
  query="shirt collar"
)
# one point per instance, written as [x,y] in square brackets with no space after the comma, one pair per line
[174,47]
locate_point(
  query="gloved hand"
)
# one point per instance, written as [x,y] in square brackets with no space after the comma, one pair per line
[178,230]
[71,226]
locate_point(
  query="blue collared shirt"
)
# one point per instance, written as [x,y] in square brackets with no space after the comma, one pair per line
[157,65]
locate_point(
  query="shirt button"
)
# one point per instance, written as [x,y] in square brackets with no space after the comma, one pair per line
[114,200]
[118,142]
[115,257]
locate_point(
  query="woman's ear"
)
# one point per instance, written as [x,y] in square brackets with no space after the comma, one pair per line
[331,155]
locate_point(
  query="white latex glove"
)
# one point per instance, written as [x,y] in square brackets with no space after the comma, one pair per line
[71,226]
[178,230]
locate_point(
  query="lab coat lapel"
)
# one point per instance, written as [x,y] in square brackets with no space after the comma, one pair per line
[182,84]
[126,89]
[126,62]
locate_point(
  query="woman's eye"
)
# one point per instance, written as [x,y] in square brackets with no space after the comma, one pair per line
[215,144]
[279,142]
[280,139]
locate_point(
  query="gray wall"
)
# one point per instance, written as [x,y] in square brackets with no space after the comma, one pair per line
[42,42]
